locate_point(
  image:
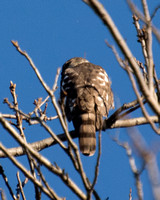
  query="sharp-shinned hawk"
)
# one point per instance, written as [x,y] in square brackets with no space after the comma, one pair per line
[86,97]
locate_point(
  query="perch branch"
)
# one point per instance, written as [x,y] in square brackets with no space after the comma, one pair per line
[42,144]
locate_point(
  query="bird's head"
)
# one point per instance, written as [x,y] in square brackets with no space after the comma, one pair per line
[74,62]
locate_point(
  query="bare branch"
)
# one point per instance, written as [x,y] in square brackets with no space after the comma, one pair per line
[39,105]
[157,84]
[18,115]
[46,184]
[6,182]
[133,166]
[15,43]
[107,20]
[42,144]
[149,46]
[20,128]
[134,122]
[54,136]
[150,160]
[41,159]
[130,194]
[56,79]
[154,12]
[38,145]
[30,120]
[116,54]
[25,171]
[141,38]
[46,87]
[130,107]
[135,10]
[141,103]
[98,161]
[20,188]
[2,194]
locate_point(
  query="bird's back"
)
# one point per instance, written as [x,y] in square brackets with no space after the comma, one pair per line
[88,97]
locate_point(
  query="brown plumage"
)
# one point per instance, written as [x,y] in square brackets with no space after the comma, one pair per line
[86,97]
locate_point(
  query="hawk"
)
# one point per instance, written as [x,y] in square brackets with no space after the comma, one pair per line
[85,97]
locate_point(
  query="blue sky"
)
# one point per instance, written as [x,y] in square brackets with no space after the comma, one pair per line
[52,32]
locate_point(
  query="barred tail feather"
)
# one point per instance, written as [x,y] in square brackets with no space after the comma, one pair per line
[87,134]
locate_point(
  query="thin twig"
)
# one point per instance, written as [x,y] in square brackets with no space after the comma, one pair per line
[144,111]
[98,161]
[54,136]
[141,39]
[131,106]
[37,107]
[133,166]
[130,194]
[157,84]
[18,115]
[150,161]
[139,14]
[116,54]
[154,12]
[6,182]
[15,43]
[3,197]
[150,65]
[30,120]
[56,79]
[46,184]
[20,187]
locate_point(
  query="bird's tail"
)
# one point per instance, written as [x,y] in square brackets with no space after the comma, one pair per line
[87,134]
